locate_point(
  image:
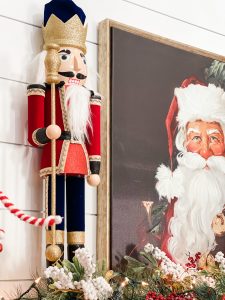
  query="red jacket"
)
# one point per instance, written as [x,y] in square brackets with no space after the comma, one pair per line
[72,157]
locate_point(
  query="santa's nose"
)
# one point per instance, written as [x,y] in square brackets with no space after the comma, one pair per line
[205,152]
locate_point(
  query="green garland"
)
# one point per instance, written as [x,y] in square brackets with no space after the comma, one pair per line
[145,274]
[142,278]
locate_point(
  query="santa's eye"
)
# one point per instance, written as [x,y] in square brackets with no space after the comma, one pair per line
[214,139]
[64,56]
[196,138]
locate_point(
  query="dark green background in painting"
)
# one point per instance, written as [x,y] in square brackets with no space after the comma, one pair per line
[144,74]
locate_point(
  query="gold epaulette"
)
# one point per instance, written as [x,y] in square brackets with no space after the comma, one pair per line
[36,89]
[96,99]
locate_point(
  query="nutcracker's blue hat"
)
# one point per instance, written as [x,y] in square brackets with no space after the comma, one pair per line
[64,10]
[64,24]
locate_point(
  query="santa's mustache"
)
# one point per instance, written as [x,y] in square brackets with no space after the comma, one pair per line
[195,161]
[72,74]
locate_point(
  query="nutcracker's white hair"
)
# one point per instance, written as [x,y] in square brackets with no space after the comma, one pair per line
[36,70]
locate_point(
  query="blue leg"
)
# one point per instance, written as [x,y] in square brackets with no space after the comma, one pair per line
[75,191]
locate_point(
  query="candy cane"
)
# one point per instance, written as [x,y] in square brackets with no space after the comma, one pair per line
[49,221]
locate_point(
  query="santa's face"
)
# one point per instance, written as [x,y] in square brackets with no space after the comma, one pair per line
[73,68]
[205,138]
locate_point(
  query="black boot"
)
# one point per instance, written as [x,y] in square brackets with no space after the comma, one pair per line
[72,249]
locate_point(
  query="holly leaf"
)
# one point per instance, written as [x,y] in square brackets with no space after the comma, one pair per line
[138,269]
[133,263]
[150,258]
[79,270]
[69,266]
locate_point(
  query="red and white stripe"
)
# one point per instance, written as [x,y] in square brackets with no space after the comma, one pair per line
[49,221]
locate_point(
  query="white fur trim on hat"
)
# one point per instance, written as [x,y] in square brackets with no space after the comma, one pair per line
[169,183]
[198,102]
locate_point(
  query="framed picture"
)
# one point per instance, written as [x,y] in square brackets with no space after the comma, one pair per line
[138,73]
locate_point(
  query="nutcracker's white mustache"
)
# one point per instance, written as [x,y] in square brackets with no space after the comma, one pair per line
[202,200]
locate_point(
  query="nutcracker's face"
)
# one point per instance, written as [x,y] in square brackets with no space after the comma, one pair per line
[205,138]
[73,68]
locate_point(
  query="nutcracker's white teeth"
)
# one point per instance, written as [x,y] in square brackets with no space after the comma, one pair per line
[74,81]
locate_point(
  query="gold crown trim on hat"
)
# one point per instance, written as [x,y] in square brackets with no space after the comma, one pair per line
[72,33]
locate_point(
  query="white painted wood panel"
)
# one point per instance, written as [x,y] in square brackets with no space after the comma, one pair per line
[22,248]
[8,288]
[13,105]
[19,178]
[164,26]
[22,43]
[139,17]
[29,11]
[207,14]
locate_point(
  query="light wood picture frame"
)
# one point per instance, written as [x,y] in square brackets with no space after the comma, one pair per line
[104,223]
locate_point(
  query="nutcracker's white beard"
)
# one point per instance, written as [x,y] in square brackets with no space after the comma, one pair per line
[203,199]
[77,103]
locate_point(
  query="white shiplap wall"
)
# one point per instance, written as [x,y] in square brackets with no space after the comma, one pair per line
[198,23]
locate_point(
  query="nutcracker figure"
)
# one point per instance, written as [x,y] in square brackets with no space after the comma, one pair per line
[76,128]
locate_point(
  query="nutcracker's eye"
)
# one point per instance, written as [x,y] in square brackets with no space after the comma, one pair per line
[64,54]
[84,58]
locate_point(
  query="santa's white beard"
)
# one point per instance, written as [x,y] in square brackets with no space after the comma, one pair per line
[78,108]
[203,198]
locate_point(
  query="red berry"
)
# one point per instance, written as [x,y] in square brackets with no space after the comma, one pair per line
[153,295]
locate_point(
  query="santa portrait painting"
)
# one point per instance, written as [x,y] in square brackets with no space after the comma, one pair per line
[194,183]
